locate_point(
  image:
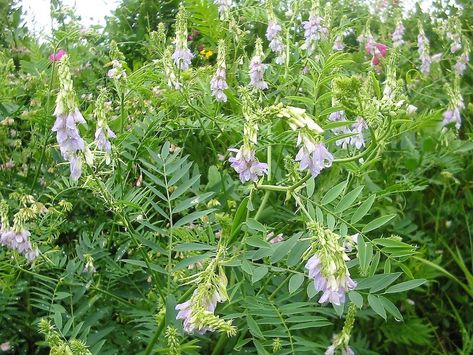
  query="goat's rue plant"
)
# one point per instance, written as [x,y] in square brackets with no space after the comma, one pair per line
[227,195]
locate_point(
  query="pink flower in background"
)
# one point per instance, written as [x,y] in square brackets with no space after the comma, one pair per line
[56,57]
[380,51]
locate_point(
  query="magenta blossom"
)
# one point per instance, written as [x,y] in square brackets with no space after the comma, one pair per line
[380,51]
[56,57]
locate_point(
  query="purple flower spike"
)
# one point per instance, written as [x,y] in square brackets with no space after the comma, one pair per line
[247,165]
[329,281]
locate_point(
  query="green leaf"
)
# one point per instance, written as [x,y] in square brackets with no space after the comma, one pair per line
[333,193]
[376,305]
[391,308]
[310,187]
[378,222]
[356,298]
[192,217]
[191,260]
[384,282]
[239,215]
[193,246]
[184,187]
[284,248]
[259,273]
[363,209]
[143,265]
[253,327]
[295,282]
[348,199]
[191,202]
[404,286]
[255,225]
[256,242]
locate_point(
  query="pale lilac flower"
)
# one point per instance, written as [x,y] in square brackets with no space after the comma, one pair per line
[257,68]
[182,58]
[274,239]
[276,44]
[187,310]
[398,35]
[182,55]
[338,44]
[69,139]
[312,156]
[20,242]
[329,280]
[247,165]
[411,110]
[218,83]
[358,140]
[460,65]
[339,116]
[314,31]
[423,49]
[117,72]
[102,138]
[223,7]
[456,44]
[452,116]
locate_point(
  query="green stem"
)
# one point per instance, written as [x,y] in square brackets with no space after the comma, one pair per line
[46,139]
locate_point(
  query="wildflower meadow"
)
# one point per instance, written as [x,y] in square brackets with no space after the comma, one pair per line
[238,177]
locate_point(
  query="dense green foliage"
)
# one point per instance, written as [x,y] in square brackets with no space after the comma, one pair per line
[164,218]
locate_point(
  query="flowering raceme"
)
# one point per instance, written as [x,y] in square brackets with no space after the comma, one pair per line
[423,49]
[398,35]
[218,83]
[67,116]
[182,55]
[257,68]
[327,266]
[273,34]
[223,8]
[247,165]
[103,133]
[314,29]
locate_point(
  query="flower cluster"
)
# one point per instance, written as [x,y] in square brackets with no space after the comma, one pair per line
[182,55]
[456,104]
[366,39]
[327,266]
[341,341]
[453,34]
[223,8]
[314,29]
[462,61]
[423,50]
[16,238]
[398,34]
[198,312]
[103,133]
[56,57]
[378,51]
[246,164]
[357,139]
[169,74]
[257,68]
[67,116]
[218,83]
[273,34]
[117,72]
[338,43]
